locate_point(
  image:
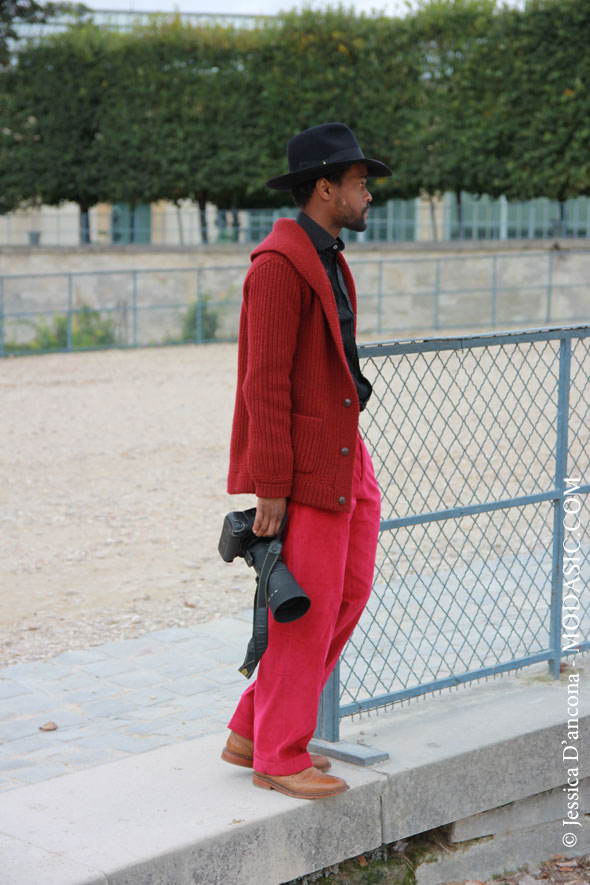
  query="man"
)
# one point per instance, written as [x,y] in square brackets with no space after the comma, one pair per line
[295,444]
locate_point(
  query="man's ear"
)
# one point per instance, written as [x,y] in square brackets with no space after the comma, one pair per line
[323,188]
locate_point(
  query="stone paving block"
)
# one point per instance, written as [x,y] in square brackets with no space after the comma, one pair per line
[20,728]
[126,743]
[229,631]
[228,677]
[174,669]
[96,690]
[75,682]
[191,686]
[108,667]
[106,707]
[24,745]
[11,689]
[114,649]
[80,656]
[15,763]
[136,648]
[65,718]
[26,703]
[31,671]
[148,714]
[82,757]
[157,727]
[137,678]
[230,657]
[148,697]
[173,634]
[42,772]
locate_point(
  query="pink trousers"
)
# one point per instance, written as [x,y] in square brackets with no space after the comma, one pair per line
[332,556]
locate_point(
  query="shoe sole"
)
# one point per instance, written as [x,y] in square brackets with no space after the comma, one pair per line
[248,762]
[259,781]
[236,758]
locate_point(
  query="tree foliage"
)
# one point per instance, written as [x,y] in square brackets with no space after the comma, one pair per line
[459,95]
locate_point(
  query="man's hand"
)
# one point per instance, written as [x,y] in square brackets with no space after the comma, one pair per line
[269,515]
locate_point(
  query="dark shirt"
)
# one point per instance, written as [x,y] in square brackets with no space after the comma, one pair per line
[328,249]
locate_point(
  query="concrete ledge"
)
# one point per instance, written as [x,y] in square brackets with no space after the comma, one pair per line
[178,815]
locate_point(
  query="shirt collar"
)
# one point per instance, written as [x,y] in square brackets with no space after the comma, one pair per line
[319,236]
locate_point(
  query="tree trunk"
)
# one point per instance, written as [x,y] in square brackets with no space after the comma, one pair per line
[84,224]
[460,215]
[203,219]
[432,217]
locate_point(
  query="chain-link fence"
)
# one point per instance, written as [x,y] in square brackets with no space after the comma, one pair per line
[476,442]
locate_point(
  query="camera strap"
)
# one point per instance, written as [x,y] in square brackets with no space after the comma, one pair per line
[259,639]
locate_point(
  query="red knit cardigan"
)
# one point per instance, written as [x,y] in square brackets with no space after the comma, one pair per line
[297,410]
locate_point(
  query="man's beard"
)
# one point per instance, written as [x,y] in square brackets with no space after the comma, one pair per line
[352,221]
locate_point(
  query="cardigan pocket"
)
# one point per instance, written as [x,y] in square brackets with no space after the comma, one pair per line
[305,435]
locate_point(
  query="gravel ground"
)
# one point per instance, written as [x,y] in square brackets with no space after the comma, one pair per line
[113,495]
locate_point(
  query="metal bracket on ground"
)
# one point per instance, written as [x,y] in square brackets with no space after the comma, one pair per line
[357,754]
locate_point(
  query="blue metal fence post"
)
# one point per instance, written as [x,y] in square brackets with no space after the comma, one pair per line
[494,288]
[328,727]
[549,288]
[380,297]
[69,338]
[199,312]
[2,316]
[565,351]
[135,308]
[437,294]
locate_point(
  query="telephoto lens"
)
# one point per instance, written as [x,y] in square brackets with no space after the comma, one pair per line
[286,600]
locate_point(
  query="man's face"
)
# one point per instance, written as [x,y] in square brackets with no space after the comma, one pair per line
[351,199]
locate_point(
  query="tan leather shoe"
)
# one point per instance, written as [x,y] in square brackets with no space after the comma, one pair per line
[307,784]
[240,751]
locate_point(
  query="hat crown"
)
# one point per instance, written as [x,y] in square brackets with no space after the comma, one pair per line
[323,145]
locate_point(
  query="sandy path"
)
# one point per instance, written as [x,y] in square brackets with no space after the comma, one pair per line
[112,496]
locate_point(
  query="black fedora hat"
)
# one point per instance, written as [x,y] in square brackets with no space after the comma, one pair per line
[320,150]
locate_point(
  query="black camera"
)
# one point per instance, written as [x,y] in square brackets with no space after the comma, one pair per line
[283,595]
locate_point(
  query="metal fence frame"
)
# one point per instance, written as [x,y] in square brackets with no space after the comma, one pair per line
[331,710]
[437,293]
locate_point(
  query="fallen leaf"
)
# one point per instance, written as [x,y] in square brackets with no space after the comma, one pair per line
[189,604]
[239,820]
[49,726]
[362,860]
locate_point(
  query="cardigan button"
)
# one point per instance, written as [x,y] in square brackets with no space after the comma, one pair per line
[342,500]
[347,403]
[344,451]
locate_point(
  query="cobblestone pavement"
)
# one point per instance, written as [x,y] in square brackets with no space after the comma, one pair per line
[119,699]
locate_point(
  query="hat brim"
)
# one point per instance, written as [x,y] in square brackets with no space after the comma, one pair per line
[375,169]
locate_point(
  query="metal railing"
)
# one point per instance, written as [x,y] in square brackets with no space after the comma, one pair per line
[476,442]
[139,307]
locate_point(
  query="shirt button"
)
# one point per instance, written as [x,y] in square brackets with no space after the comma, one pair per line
[344,451]
[335,246]
[347,403]
[342,500]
